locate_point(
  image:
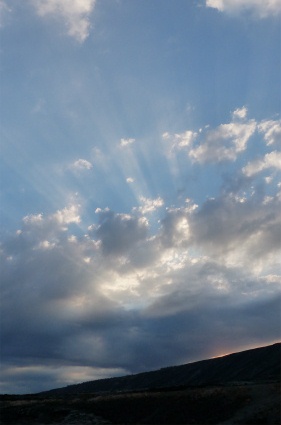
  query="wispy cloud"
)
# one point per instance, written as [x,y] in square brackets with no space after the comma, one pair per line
[127,142]
[149,205]
[74,14]
[270,160]
[271,130]
[260,8]
[4,9]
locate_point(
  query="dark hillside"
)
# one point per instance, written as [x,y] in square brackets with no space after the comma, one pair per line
[256,365]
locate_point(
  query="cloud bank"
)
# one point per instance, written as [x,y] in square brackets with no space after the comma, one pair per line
[157,285]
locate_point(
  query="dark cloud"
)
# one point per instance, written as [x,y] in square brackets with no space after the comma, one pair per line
[119,232]
[120,300]
[233,224]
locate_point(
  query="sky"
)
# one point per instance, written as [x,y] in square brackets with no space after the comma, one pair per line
[140,185]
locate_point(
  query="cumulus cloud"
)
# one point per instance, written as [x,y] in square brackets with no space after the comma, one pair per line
[270,160]
[259,8]
[126,142]
[182,140]
[75,14]
[67,215]
[239,230]
[119,232]
[193,280]
[271,129]
[149,205]
[81,164]
[240,113]
[224,143]
[175,230]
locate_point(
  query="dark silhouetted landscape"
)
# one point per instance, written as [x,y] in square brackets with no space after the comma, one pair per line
[240,388]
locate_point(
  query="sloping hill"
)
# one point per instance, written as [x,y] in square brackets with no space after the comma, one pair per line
[256,365]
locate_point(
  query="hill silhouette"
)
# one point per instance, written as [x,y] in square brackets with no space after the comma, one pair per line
[255,365]
[240,388]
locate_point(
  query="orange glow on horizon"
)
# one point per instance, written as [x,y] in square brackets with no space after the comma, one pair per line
[245,348]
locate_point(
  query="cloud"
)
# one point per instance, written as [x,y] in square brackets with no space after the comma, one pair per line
[259,8]
[149,205]
[224,143]
[240,113]
[270,160]
[75,14]
[150,287]
[181,140]
[126,142]
[141,300]
[271,130]
[118,233]
[67,215]
[81,164]
[175,230]
[239,230]
[4,9]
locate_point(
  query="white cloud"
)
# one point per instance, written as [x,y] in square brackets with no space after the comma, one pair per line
[4,9]
[271,130]
[184,139]
[46,245]
[33,218]
[240,113]
[270,160]
[181,140]
[129,180]
[149,205]
[268,179]
[81,164]
[126,142]
[260,8]
[225,142]
[75,14]
[67,215]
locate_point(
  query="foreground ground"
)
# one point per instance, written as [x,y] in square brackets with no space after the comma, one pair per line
[236,404]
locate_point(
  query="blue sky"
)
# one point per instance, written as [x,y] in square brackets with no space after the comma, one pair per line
[140,185]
